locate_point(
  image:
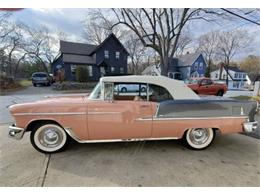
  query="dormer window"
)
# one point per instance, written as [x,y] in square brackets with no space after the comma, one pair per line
[106,54]
[117,54]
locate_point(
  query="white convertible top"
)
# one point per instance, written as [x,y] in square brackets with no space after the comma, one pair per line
[176,88]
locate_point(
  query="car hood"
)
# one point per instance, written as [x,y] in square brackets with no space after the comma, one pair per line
[49,104]
[193,86]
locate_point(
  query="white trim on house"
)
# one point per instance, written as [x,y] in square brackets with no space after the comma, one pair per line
[236,80]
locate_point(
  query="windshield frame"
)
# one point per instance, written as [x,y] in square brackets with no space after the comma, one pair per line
[93,94]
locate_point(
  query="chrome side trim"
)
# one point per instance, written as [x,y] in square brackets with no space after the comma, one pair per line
[70,132]
[102,113]
[50,113]
[190,118]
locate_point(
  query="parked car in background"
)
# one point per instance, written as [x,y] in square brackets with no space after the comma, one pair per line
[41,78]
[206,86]
[131,88]
[170,110]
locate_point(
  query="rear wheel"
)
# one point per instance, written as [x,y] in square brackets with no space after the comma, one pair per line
[220,93]
[48,138]
[199,138]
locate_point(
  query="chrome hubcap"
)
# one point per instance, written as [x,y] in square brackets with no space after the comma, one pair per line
[50,137]
[199,136]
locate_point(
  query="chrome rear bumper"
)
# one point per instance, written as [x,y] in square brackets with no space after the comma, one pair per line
[16,132]
[250,126]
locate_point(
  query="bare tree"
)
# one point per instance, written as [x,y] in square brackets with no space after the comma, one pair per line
[41,46]
[159,29]
[184,41]
[208,45]
[136,54]
[230,43]
[97,27]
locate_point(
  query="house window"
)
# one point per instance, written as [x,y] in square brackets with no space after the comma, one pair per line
[244,75]
[240,75]
[196,66]
[113,69]
[121,70]
[201,66]
[90,71]
[235,75]
[73,69]
[106,54]
[117,54]
[216,75]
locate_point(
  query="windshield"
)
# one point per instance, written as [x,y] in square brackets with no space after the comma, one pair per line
[96,93]
[39,75]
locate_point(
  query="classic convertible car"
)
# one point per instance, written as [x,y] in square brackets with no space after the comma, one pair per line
[166,110]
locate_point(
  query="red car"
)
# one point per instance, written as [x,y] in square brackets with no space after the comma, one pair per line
[206,86]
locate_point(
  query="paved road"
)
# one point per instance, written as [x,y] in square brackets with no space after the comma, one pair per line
[232,160]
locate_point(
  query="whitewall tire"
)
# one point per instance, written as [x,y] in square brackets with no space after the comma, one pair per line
[199,138]
[49,138]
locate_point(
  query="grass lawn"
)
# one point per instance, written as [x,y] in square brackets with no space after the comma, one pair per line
[25,83]
[21,84]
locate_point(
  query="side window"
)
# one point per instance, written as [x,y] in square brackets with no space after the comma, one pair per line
[106,53]
[158,94]
[108,91]
[130,91]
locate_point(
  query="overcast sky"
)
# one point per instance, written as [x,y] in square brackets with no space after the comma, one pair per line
[70,22]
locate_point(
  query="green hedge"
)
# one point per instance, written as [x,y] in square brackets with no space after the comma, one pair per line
[81,74]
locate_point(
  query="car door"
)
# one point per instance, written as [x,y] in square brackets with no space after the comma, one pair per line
[204,87]
[117,116]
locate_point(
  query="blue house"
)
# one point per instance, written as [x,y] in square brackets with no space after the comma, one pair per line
[108,58]
[182,68]
[192,65]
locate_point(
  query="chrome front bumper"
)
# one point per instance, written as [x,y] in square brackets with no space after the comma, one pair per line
[250,126]
[16,132]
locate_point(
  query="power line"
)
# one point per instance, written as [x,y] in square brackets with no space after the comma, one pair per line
[235,14]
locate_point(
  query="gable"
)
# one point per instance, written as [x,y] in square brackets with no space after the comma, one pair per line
[112,41]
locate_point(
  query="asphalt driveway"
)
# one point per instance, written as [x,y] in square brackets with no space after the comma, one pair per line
[232,160]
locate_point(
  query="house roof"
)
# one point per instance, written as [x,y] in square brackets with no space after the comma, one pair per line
[233,68]
[76,48]
[188,59]
[78,59]
[110,36]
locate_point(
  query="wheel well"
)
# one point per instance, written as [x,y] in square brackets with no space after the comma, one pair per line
[33,124]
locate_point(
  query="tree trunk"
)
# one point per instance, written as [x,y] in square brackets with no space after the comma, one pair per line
[164,61]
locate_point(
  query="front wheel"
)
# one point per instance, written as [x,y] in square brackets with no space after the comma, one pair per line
[48,138]
[199,138]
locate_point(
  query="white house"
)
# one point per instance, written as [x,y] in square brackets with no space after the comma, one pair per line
[182,68]
[237,79]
